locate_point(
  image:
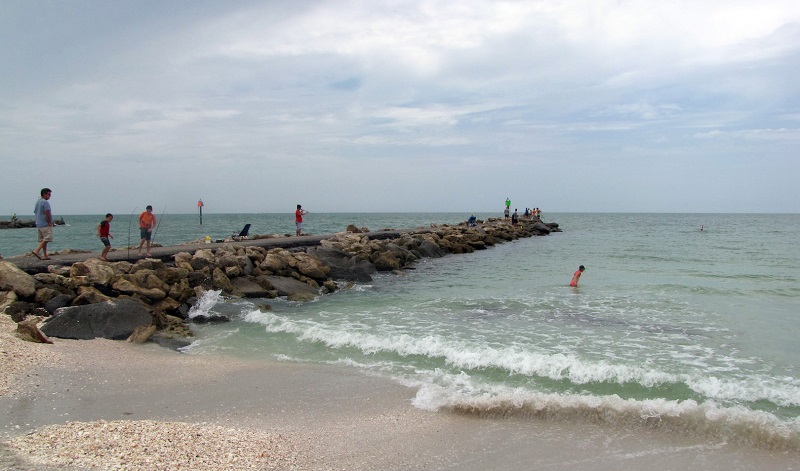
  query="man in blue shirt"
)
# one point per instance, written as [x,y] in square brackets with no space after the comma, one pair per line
[44,223]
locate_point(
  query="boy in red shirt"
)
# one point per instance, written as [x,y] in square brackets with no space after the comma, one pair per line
[104,233]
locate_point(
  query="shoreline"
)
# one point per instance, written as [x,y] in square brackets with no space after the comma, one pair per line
[290,416]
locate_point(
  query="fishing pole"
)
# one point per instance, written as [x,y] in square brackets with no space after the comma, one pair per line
[158,223]
[130,221]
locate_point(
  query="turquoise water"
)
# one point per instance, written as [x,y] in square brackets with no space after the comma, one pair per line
[671,327]
[689,331]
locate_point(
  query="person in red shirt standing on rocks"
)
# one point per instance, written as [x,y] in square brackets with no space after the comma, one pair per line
[298,218]
[104,233]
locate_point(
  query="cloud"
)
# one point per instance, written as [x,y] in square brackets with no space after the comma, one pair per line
[287,98]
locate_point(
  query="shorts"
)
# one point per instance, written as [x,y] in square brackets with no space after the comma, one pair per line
[145,233]
[105,241]
[45,234]
[299,225]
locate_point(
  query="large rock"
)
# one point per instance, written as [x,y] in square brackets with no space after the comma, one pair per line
[124,284]
[343,266]
[290,287]
[541,228]
[428,249]
[311,266]
[16,280]
[386,261]
[27,330]
[96,271]
[248,289]
[89,295]
[110,320]
[274,262]
[62,300]
[221,280]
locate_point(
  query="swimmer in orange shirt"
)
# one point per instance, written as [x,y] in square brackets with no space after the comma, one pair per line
[577,276]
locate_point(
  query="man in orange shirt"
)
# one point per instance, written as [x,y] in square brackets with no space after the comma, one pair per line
[147,222]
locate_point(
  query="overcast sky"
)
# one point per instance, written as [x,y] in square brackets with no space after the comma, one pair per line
[361,106]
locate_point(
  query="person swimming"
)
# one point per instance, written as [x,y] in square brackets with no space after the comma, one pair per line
[577,276]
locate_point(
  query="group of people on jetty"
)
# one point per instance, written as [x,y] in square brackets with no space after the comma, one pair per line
[44,223]
[148,223]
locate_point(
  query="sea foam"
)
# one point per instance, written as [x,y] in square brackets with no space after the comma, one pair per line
[705,420]
[519,361]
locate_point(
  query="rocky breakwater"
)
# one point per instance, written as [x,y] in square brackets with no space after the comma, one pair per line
[153,299]
[15,223]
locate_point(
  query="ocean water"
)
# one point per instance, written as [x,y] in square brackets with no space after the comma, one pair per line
[672,328]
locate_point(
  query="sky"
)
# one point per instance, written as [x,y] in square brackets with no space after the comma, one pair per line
[400,105]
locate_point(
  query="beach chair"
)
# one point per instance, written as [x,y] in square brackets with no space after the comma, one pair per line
[242,234]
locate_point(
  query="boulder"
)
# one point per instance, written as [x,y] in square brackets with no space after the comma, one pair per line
[89,295]
[541,228]
[62,300]
[289,286]
[330,286]
[248,289]
[125,285]
[19,310]
[428,249]
[202,259]
[173,328]
[114,320]
[142,334]
[386,261]
[45,294]
[7,298]
[274,262]
[311,267]
[181,291]
[342,265]
[147,264]
[221,281]
[28,330]
[95,270]
[16,280]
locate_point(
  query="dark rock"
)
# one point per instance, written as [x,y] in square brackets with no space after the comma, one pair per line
[541,228]
[62,300]
[197,278]
[428,249]
[114,320]
[19,310]
[386,261]
[212,319]
[248,288]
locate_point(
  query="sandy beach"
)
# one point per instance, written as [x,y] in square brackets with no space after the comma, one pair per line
[103,404]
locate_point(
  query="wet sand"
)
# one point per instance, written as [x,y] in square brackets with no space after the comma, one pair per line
[112,400]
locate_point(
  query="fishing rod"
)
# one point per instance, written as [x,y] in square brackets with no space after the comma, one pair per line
[130,221]
[158,223]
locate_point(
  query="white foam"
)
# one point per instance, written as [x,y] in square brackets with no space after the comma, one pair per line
[457,393]
[205,303]
[516,360]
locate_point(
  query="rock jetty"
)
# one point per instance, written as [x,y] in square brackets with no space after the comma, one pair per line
[15,223]
[151,299]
